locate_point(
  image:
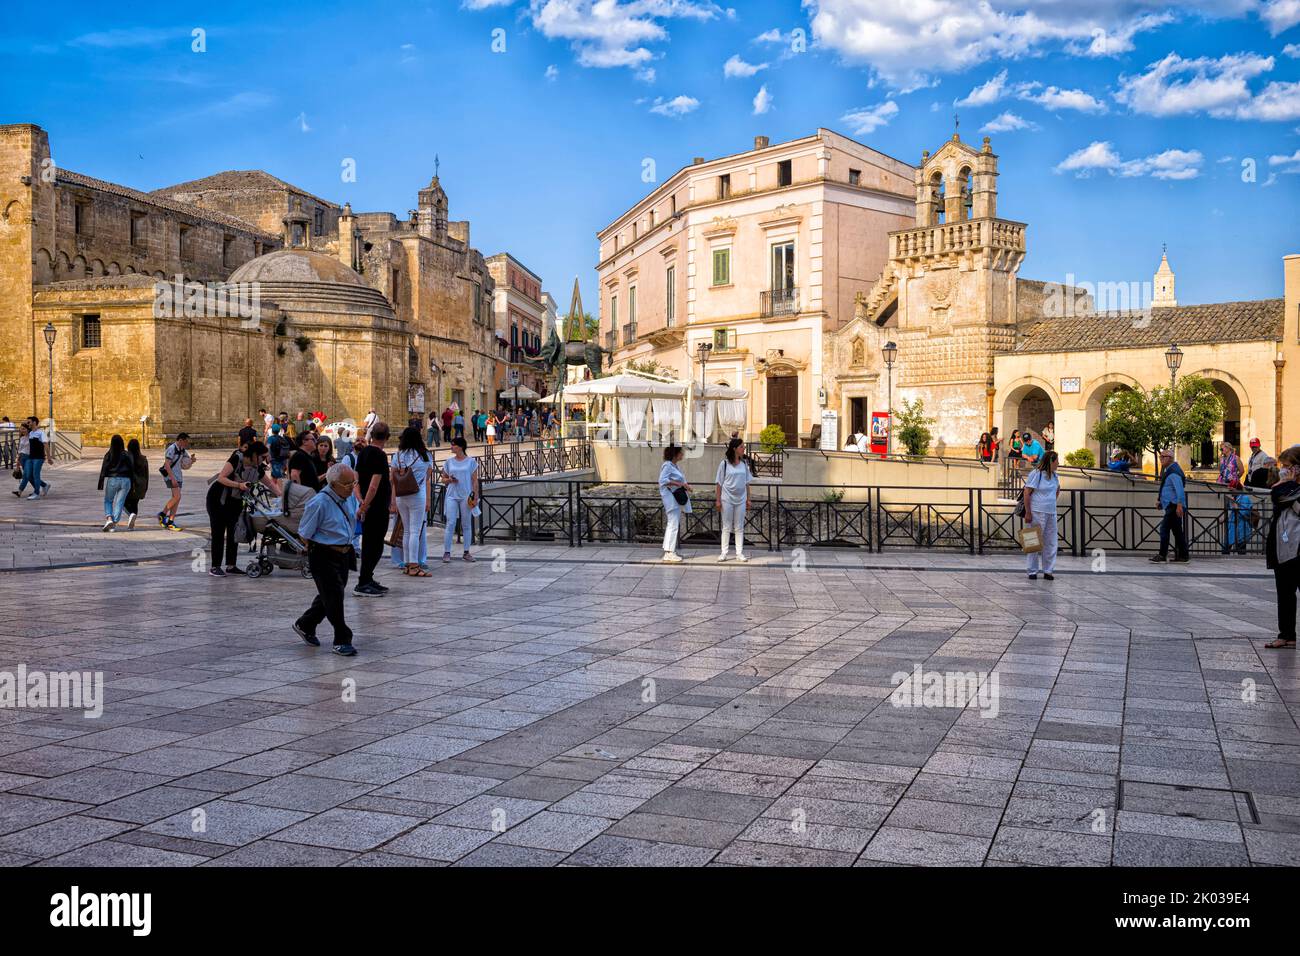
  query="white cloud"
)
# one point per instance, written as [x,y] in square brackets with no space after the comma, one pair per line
[1290,164]
[1175,164]
[735,66]
[1292,50]
[773,35]
[762,101]
[988,92]
[1217,86]
[302,123]
[485,4]
[905,41]
[1050,98]
[1280,15]
[614,33]
[1006,122]
[677,106]
[552,73]
[865,121]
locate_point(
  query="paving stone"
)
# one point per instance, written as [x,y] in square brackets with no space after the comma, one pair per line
[348,829]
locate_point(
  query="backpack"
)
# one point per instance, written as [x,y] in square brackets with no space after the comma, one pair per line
[1287,533]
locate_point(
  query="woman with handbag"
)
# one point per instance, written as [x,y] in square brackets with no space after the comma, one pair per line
[410,476]
[225,502]
[115,475]
[22,474]
[676,495]
[1041,488]
[461,476]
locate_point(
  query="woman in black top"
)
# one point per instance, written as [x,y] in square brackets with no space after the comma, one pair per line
[115,474]
[241,471]
[139,482]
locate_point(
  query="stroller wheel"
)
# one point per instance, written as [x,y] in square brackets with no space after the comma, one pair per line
[306,572]
[254,569]
[267,566]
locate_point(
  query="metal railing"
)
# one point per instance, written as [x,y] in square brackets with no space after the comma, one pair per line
[629,332]
[873,518]
[779,302]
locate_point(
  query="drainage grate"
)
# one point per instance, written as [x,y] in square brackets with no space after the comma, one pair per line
[1199,803]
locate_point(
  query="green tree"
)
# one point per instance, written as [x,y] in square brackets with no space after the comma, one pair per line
[1137,420]
[911,427]
[772,438]
[1081,458]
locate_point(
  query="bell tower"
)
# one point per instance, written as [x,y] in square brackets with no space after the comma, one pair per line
[1163,283]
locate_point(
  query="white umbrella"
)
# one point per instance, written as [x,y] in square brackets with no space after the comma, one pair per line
[523,392]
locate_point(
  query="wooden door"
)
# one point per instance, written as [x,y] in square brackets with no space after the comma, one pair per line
[783,406]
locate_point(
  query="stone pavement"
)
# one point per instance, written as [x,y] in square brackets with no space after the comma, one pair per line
[589,707]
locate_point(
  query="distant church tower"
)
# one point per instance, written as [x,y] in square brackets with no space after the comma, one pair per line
[1164,285]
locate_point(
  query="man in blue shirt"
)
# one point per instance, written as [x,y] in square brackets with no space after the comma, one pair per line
[1173,499]
[1032,450]
[327,525]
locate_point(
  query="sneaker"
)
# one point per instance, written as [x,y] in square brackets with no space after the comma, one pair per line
[344,650]
[109,524]
[469,557]
[742,558]
[46,490]
[235,569]
[1033,577]
[367,590]
[1182,560]
[671,557]
[1157,559]
[173,526]
[722,557]
[33,496]
[1049,577]
[216,572]
[446,557]
[18,494]
[162,520]
[130,522]
[302,632]
[381,588]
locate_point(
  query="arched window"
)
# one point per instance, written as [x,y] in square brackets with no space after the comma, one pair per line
[936,198]
[966,181]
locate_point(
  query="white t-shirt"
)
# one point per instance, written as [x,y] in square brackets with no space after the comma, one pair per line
[1043,492]
[734,480]
[463,472]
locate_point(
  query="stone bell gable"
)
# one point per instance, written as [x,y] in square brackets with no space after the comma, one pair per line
[948,294]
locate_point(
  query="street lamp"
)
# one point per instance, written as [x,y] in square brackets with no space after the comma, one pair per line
[1173,358]
[703,350]
[890,352]
[50,332]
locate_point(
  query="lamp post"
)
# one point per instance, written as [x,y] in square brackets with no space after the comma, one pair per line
[703,350]
[1173,358]
[890,352]
[50,332]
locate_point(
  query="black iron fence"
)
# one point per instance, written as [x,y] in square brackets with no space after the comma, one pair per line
[510,462]
[872,518]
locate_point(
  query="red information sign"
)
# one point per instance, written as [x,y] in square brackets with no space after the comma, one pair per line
[879,433]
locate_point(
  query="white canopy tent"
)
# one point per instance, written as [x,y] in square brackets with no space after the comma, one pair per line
[523,393]
[639,401]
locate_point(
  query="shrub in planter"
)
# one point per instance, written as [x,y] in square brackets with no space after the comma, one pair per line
[1081,458]
[772,438]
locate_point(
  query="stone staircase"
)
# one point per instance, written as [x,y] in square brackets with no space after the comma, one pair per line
[879,296]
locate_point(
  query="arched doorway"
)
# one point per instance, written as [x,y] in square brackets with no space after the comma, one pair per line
[1027,406]
[1206,454]
[1095,412]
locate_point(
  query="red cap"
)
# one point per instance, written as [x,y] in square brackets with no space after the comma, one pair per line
[1254,443]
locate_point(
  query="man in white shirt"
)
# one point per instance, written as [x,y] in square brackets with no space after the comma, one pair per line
[369,420]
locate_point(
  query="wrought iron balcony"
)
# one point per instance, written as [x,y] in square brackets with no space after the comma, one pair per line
[629,332]
[779,302]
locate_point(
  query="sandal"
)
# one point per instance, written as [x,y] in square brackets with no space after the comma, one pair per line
[1280,644]
[419,573]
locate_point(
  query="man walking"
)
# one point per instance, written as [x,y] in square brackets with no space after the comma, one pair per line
[326,526]
[375,493]
[447,416]
[368,422]
[37,445]
[1173,500]
[175,459]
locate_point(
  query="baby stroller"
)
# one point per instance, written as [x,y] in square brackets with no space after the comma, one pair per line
[275,526]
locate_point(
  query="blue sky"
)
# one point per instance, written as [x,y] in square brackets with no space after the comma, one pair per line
[1121,124]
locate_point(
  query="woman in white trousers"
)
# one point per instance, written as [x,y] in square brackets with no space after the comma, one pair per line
[671,479]
[1041,488]
[732,481]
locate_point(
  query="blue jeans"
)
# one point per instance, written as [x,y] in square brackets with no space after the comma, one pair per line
[32,475]
[277,469]
[115,491]
[457,508]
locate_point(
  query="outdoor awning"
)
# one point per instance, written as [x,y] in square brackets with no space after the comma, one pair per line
[626,386]
[523,393]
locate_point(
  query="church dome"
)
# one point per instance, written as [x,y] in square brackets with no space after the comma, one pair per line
[296,265]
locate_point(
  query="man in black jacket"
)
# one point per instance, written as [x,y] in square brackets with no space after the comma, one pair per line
[1282,549]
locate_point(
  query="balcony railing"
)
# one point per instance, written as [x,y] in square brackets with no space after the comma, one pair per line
[629,332]
[779,302]
[962,236]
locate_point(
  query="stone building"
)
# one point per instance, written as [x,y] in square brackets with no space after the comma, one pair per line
[352,312]
[759,255]
[520,315]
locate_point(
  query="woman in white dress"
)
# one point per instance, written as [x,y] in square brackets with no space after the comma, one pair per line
[733,481]
[1041,488]
[461,476]
[672,480]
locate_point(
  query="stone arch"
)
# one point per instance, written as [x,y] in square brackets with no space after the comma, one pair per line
[1238,416]
[965,186]
[13,212]
[95,268]
[1030,402]
[42,267]
[112,269]
[857,352]
[77,269]
[1097,391]
[62,266]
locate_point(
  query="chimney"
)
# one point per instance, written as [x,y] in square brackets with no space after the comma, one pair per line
[761,142]
[697,160]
